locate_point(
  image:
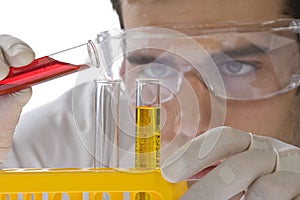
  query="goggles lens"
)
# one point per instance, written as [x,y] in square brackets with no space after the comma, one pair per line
[241,61]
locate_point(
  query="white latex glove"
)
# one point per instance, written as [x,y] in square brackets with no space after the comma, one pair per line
[14,52]
[262,167]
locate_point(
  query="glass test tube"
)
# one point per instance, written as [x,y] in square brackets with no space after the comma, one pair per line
[107,121]
[50,67]
[147,145]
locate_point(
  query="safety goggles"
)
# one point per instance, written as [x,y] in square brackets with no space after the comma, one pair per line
[237,61]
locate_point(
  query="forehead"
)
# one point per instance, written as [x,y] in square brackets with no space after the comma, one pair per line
[156,12]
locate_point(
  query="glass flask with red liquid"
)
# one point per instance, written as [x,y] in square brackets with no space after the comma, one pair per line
[50,67]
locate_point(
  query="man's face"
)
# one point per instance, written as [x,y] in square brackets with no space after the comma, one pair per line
[276,116]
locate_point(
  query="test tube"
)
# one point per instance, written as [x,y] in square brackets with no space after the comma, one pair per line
[107,121]
[147,144]
[50,67]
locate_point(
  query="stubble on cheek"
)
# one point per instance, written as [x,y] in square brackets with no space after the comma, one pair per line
[295,123]
[288,123]
[278,117]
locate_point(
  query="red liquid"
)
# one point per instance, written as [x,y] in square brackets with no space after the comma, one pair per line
[40,70]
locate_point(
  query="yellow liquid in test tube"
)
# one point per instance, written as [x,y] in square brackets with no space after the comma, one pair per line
[147,139]
[147,145]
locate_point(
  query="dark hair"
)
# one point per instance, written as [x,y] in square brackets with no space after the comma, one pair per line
[116,4]
[292,9]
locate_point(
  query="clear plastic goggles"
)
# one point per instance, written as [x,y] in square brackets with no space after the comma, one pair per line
[238,61]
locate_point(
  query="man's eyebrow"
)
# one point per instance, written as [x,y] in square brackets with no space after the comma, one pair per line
[242,51]
[140,57]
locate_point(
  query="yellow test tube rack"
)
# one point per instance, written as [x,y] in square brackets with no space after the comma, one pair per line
[85,184]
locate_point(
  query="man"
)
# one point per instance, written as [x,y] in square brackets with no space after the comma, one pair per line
[276,117]
[262,167]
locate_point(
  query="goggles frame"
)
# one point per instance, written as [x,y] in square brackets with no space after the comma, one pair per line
[194,29]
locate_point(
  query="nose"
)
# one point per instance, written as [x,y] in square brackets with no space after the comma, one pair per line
[195,102]
[188,114]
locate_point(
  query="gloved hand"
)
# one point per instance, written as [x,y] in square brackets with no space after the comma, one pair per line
[14,52]
[262,167]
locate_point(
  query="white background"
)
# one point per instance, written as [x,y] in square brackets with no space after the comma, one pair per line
[49,26]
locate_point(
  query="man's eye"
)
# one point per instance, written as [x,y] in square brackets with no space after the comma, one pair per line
[236,68]
[158,71]
[152,67]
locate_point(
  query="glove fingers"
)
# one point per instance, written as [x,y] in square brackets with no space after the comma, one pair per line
[279,185]
[11,106]
[21,97]
[4,68]
[210,147]
[13,52]
[288,160]
[233,176]
[16,52]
